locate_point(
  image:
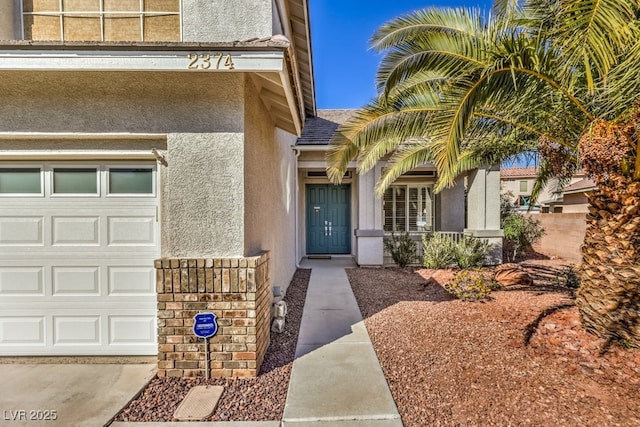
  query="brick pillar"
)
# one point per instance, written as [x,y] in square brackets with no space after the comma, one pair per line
[237,291]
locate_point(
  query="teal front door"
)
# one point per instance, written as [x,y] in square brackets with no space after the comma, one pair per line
[328,219]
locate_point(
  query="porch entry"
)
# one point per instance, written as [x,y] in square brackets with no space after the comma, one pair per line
[328,219]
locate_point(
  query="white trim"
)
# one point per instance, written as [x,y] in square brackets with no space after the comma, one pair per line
[79,135]
[95,60]
[312,147]
[320,164]
[295,103]
[76,155]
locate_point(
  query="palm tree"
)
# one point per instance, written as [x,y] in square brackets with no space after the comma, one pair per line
[557,76]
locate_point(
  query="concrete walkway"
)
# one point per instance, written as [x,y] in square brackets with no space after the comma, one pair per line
[336,378]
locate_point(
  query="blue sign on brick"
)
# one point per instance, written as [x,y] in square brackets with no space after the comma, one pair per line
[205,325]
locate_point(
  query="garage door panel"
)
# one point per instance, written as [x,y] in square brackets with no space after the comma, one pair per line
[132,330]
[77,330]
[74,280]
[21,280]
[75,231]
[130,230]
[126,280]
[22,331]
[21,231]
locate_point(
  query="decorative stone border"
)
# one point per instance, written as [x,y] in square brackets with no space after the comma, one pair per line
[237,291]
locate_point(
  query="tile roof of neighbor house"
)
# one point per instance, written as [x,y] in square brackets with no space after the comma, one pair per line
[583,185]
[528,172]
[319,130]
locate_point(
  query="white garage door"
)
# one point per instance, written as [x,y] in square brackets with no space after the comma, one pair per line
[77,244]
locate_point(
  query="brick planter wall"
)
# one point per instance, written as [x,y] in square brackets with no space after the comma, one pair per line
[237,291]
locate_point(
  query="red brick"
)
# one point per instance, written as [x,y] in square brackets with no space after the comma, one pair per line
[248,355]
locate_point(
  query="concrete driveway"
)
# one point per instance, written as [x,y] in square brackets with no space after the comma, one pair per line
[68,394]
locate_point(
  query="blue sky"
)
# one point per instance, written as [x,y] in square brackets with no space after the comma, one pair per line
[344,65]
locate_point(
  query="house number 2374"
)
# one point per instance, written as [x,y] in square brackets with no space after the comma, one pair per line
[207,61]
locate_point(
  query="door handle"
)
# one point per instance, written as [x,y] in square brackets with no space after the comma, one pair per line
[326,228]
[330,228]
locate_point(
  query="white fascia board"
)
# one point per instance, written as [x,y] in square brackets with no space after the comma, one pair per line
[293,99]
[93,60]
[320,164]
[323,147]
[12,136]
[6,155]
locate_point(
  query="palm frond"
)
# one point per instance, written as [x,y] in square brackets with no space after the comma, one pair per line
[416,24]
[585,35]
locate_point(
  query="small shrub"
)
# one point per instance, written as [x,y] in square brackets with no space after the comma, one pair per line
[439,251]
[520,233]
[568,277]
[471,252]
[471,285]
[402,249]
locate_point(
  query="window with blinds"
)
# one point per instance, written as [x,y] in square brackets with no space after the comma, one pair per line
[408,208]
[101,20]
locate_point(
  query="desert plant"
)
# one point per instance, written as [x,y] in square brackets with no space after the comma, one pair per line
[469,285]
[439,251]
[520,233]
[402,249]
[471,252]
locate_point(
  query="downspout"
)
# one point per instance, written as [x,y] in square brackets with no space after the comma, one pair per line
[296,190]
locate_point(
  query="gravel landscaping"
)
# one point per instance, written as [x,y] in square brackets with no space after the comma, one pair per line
[519,359]
[246,399]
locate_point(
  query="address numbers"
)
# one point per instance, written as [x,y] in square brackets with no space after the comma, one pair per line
[210,61]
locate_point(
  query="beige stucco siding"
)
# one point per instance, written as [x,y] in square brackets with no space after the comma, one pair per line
[269,165]
[450,208]
[224,20]
[120,102]
[202,199]
[9,20]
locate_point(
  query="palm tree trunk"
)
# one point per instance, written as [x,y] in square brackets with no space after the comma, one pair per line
[609,293]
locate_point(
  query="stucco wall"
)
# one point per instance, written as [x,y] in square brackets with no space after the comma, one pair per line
[269,214]
[120,102]
[564,234]
[9,23]
[203,200]
[450,208]
[202,115]
[224,20]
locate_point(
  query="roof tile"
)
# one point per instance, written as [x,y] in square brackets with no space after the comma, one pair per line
[319,130]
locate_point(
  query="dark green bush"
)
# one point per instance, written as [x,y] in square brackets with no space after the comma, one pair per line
[402,249]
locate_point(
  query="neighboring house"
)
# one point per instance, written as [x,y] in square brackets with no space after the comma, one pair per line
[518,182]
[350,219]
[131,131]
[573,198]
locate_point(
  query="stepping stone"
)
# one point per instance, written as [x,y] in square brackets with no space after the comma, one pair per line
[199,403]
